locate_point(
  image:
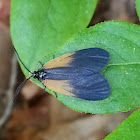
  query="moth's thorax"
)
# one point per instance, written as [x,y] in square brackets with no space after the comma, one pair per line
[40,74]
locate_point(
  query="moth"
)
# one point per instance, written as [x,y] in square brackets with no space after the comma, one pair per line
[75,74]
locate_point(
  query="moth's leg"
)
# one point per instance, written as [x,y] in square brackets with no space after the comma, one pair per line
[53,56]
[44,87]
[55,95]
[43,84]
[40,63]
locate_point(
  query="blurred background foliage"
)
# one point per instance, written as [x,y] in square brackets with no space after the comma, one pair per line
[38,115]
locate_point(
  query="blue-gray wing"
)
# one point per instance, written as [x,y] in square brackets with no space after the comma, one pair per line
[94,59]
[80,77]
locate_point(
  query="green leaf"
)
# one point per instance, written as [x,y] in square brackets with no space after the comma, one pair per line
[138,7]
[40,27]
[127,130]
[35,37]
[121,40]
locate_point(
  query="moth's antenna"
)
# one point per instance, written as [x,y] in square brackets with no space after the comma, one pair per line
[19,88]
[21,61]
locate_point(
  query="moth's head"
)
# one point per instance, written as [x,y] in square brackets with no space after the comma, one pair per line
[36,74]
[40,74]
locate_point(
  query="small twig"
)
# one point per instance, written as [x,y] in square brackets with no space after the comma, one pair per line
[9,92]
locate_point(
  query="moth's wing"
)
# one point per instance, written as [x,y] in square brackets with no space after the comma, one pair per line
[77,74]
[94,59]
[89,87]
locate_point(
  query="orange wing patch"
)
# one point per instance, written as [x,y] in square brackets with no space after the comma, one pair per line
[60,86]
[61,61]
